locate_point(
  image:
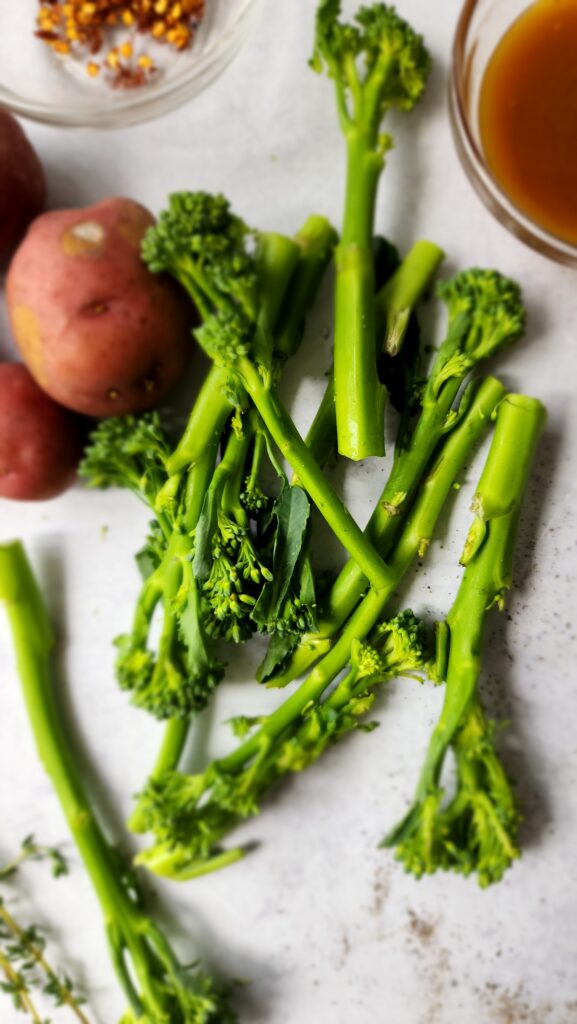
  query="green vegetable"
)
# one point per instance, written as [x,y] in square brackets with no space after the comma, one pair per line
[190,815]
[377,63]
[476,829]
[485,314]
[395,302]
[23,958]
[200,563]
[159,990]
[204,246]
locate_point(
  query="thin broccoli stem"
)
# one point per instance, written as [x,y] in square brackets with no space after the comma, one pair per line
[487,576]
[278,257]
[259,452]
[407,470]
[398,297]
[321,438]
[413,541]
[293,448]
[33,644]
[359,395]
[316,241]
[236,452]
[293,293]
[394,303]
[205,423]
[388,515]
[127,927]
[344,597]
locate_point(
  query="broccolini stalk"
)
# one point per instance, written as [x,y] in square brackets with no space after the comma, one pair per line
[394,303]
[476,831]
[204,246]
[190,815]
[377,63]
[281,324]
[485,314]
[159,990]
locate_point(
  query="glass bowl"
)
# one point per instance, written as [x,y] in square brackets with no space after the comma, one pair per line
[481,26]
[37,83]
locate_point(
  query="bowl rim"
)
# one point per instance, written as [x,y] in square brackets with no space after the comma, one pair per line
[137,106]
[473,161]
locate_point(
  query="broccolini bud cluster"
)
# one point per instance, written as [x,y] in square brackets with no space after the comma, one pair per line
[394,55]
[127,451]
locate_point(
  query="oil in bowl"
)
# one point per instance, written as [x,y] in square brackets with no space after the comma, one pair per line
[528,115]
[513,106]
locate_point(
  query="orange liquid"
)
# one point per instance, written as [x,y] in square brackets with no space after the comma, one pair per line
[528,115]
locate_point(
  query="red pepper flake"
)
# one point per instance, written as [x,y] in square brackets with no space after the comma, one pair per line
[84,27]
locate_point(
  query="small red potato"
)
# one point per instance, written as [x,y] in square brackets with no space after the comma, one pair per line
[98,331]
[40,442]
[22,183]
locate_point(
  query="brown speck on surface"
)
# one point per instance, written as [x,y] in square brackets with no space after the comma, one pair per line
[381,890]
[508,1006]
[421,928]
[113,393]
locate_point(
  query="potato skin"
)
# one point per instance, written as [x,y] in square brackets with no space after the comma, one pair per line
[40,442]
[98,331]
[22,183]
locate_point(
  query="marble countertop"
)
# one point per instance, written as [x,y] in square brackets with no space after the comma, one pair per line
[324,924]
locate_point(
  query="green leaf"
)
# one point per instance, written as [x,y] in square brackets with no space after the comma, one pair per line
[204,533]
[279,649]
[291,511]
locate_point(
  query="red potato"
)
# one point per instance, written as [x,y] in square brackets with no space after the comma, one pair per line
[98,331]
[40,442]
[22,183]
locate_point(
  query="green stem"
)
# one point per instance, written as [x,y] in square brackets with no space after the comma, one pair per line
[321,438]
[398,297]
[413,541]
[394,303]
[487,576]
[33,643]
[206,421]
[127,928]
[359,396]
[293,293]
[349,586]
[293,448]
[316,241]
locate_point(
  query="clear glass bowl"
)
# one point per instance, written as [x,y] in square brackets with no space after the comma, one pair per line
[481,26]
[36,83]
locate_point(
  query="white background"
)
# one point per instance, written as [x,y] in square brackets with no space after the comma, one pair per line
[326,926]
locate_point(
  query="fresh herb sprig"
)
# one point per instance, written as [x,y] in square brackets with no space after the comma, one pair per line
[23,960]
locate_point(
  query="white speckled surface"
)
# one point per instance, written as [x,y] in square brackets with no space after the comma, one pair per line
[326,925]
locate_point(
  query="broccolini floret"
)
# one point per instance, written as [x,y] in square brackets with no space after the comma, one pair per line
[238,337]
[377,63]
[485,314]
[475,830]
[190,815]
[158,988]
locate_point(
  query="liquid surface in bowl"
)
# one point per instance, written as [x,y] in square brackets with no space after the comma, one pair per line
[528,115]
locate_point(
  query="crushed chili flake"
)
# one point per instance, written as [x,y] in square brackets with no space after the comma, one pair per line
[87,28]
